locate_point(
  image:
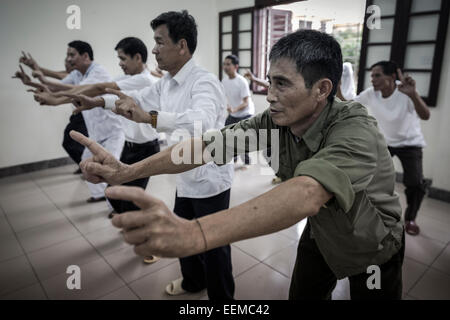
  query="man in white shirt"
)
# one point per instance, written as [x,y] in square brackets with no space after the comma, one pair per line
[141,140]
[76,121]
[102,125]
[398,108]
[187,98]
[240,104]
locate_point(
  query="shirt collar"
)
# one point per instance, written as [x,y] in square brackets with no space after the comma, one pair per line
[184,72]
[313,136]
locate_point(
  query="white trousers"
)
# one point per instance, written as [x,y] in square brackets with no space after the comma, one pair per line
[113,145]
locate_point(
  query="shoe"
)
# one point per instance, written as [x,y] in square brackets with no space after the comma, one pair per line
[78,171]
[92,199]
[174,288]
[151,259]
[277,180]
[412,228]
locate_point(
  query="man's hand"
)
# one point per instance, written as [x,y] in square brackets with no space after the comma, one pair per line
[83,102]
[102,167]
[127,107]
[26,80]
[408,84]
[39,75]
[229,109]
[155,230]
[29,61]
[249,75]
[45,97]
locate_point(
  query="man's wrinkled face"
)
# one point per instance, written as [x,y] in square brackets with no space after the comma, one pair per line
[381,81]
[165,50]
[74,59]
[228,67]
[291,103]
[129,65]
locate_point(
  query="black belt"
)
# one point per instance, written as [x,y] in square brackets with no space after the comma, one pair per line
[141,145]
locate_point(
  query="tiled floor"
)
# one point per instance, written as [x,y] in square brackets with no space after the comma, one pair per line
[46,226]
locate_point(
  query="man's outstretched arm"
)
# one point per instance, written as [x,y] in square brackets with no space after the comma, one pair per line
[103,167]
[155,230]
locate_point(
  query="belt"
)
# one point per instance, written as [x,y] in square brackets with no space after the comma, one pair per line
[140,145]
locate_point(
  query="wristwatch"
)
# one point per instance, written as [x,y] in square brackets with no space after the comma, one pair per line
[154,118]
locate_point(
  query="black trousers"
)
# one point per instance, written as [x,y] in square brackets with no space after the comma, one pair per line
[73,148]
[211,270]
[312,278]
[132,153]
[231,120]
[411,159]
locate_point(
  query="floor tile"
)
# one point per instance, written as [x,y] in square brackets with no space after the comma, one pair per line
[443,261]
[107,240]
[284,260]
[123,293]
[9,247]
[132,267]
[412,271]
[434,285]
[263,247]
[423,249]
[15,274]
[54,260]
[241,261]
[46,235]
[96,279]
[262,283]
[34,292]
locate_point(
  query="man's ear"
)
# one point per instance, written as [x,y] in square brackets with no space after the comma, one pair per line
[138,57]
[322,89]
[183,47]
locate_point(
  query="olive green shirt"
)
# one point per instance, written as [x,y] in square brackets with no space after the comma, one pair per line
[345,152]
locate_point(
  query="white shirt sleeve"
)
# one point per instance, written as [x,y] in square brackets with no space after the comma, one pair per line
[69,79]
[245,90]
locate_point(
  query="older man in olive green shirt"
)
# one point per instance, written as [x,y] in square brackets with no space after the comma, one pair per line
[337,170]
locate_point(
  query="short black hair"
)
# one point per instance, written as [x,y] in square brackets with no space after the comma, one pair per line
[131,46]
[181,25]
[316,54]
[234,59]
[82,47]
[388,67]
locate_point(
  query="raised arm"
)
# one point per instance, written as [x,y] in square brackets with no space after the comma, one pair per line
[408,87]
[263,83]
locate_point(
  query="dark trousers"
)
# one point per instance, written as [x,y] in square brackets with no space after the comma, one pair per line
[312,278]
[411,159]
[211,270]
[73,148]
[231,120]
[132,153]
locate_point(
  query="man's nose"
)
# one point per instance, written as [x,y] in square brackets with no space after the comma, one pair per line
[271,98]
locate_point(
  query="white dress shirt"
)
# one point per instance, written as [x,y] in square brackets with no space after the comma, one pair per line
[396,116]
[134,132]
[192,95]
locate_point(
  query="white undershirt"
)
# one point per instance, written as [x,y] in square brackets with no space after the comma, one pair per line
[236,90]
[396,116]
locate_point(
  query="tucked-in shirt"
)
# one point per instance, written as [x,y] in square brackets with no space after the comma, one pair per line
[192,96]
[345,152]
[134,132]
[236,90]
[396,116]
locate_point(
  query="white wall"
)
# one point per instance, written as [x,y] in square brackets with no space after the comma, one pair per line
[31,133]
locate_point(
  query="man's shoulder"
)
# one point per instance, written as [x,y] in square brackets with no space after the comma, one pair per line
[352,111]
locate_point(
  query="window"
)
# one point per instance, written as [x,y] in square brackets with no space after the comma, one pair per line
[413,35]
[236,37]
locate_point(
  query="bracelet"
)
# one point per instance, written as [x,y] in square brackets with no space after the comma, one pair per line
[203,234]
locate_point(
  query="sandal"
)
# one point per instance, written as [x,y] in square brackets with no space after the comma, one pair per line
[174,288]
